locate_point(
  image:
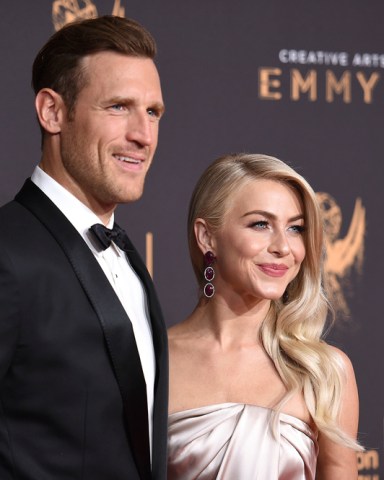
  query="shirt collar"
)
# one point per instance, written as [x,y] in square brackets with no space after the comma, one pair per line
[81,217]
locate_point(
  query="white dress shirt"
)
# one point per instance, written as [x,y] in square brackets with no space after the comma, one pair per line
[117,269]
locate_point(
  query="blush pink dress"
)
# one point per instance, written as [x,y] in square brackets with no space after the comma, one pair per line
[232,441]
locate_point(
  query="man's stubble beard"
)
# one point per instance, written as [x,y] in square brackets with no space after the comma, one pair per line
[93,179]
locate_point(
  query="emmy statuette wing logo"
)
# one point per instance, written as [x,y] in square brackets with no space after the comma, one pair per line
[67,11]
[342,254]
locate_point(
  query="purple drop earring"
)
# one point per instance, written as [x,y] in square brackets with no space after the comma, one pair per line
[209,274]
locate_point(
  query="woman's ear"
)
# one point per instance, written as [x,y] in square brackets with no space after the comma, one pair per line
[50,110]
[204,238]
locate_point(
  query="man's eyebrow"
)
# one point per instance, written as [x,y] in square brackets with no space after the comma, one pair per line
[160,107]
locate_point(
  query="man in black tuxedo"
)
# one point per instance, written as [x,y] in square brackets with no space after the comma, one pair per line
[83,349]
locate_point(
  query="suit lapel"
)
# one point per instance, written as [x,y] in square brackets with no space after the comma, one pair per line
[160,340]
[114,321]
[157,321]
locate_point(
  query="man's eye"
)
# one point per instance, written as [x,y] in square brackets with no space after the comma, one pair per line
[117,107]
[153,112]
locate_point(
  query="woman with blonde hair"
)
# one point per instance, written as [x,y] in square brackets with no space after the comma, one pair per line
[255,391]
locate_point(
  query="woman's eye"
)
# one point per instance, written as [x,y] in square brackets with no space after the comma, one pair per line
[297,228]
[261,224]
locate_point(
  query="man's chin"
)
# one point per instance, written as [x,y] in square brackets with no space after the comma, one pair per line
[130,197]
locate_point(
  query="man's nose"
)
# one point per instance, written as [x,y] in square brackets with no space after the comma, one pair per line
[140,129]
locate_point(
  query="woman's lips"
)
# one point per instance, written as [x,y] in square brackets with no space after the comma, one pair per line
[273,269]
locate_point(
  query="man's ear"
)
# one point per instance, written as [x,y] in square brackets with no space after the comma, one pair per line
[204,238]
[50,110]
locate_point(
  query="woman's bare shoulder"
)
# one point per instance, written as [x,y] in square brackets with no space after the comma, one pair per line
[343,361]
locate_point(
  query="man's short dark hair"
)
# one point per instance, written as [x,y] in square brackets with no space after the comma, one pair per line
[58,63]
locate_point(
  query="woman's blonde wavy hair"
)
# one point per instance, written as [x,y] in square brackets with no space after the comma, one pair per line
[293,329]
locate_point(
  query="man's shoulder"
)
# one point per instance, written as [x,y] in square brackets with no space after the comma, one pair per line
[10,209]
[12,204]
[17,217]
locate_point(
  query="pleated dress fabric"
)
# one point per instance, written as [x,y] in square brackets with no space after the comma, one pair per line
[234,441]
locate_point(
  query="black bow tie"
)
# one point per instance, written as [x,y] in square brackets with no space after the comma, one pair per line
[105,236]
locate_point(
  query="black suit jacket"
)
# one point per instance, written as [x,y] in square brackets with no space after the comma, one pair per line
[68,405]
